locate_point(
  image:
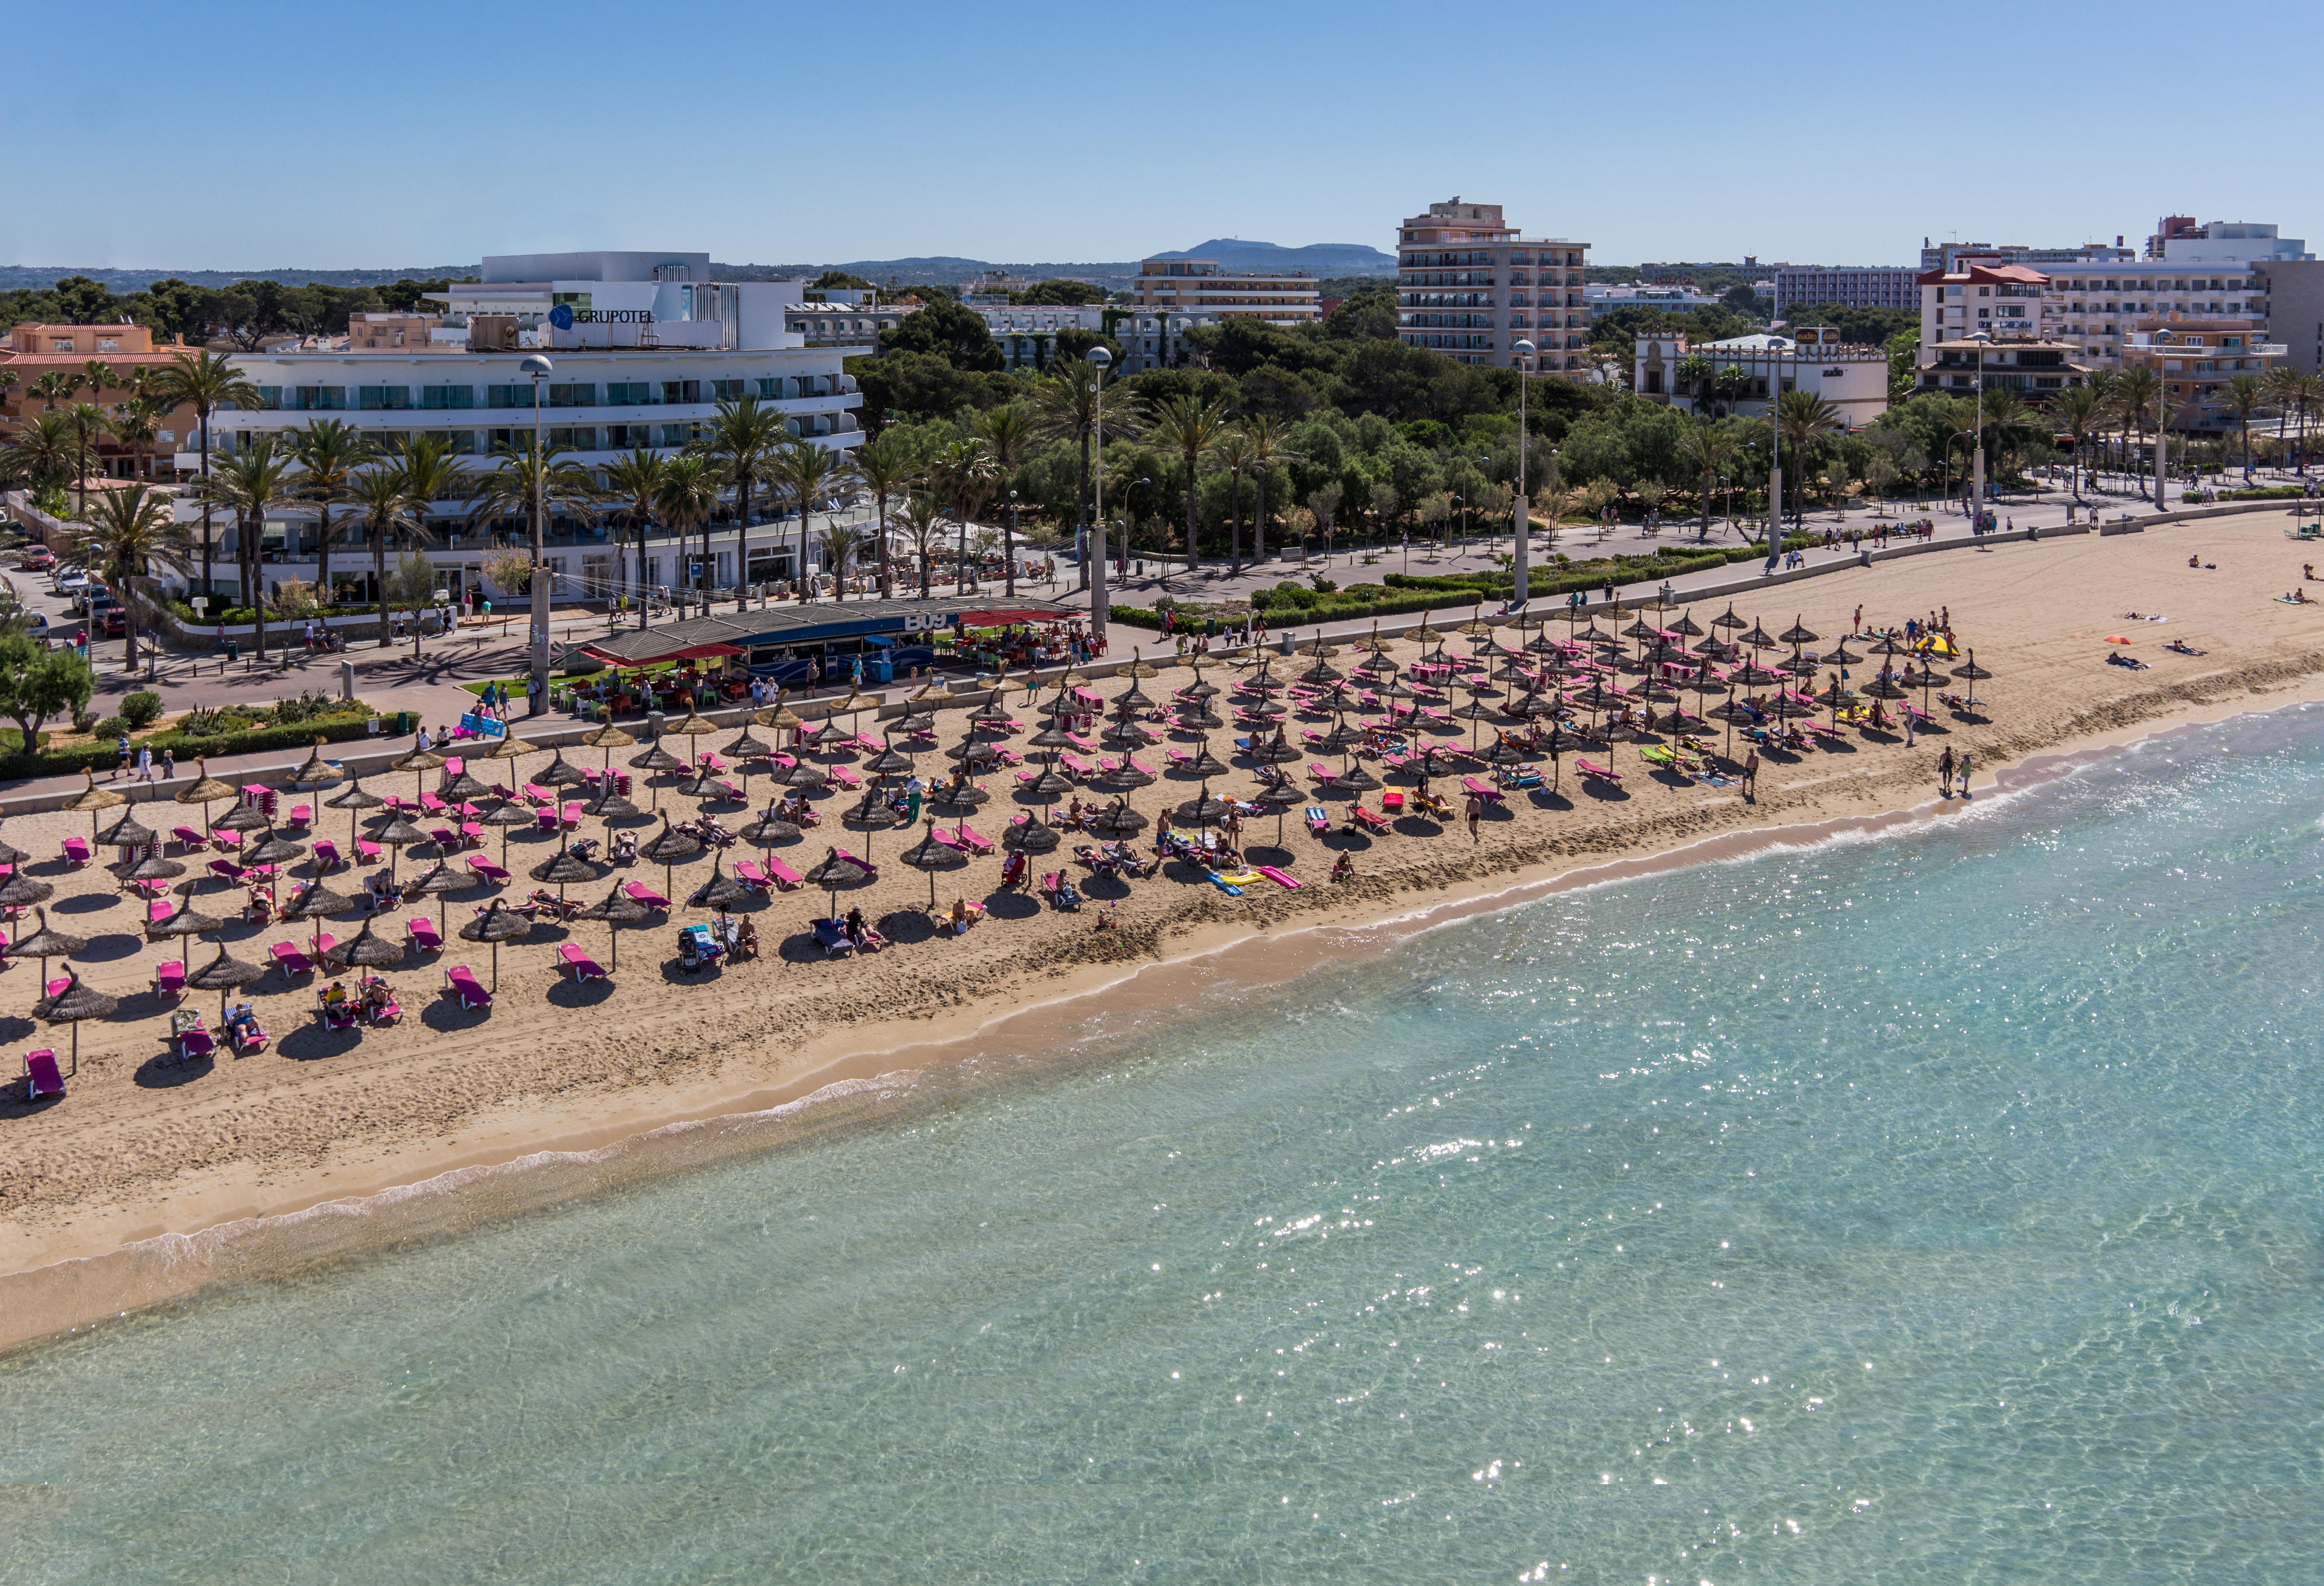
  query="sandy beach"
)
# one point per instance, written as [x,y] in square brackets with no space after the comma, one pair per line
[143,1146]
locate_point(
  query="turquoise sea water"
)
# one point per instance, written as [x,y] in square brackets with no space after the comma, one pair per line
[1943,1208]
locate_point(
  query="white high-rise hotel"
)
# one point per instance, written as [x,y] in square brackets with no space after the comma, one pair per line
[1469,286]
[645,348]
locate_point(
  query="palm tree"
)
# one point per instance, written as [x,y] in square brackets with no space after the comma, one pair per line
[383,498]
[686,498]
[508,489]
[2245,394]
[1957,423]
[135,426]
[923,522]
[888,466]
[327,451]
[963,474]
[634,481]
[1803,418]
[1066,406]
[1007,430]
[44,445]
[88,423]
[1231,450]
[2139,388]
[810,474]
[1267,448]
[742,440]
[96,376]
[132,531]
[1709,448]
[2076,412]
[253,480]
[2307,392]
[839,543]
[205,381]
[2009,422]
[1189,426]
[54,390]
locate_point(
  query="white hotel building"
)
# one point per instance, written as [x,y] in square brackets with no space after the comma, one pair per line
[645,346]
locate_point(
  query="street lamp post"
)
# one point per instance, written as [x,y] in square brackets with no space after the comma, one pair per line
[538,368]
[1095,559]
[1008,571]
[1976,453]
[1524,351]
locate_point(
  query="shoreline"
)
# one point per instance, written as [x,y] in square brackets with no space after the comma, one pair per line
[850,1077]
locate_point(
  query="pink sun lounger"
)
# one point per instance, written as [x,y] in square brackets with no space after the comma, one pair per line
[170,978]
[639,892]
[421,933]
[40,1075]
[290,960]
[870,868]
[367,852]
[462,981]
[327,854]
[77,851]
[977,842]
[1601,773]
[583,967]
[1484,790]
[187,838]
[783,875]
[487,871]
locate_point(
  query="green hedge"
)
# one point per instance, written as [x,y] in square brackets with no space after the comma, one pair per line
[53,762]
[2269,493]
[1461,593]
[243,615]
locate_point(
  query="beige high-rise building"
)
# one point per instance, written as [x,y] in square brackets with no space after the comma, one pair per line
[1470,285]
[1169,295]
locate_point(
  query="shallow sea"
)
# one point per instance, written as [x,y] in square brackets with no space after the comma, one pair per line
[1938,1208]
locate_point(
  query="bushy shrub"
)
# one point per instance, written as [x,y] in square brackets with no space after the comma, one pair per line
[108,727]
[141,709]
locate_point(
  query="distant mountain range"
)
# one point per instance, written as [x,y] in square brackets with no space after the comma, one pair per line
[1318,259]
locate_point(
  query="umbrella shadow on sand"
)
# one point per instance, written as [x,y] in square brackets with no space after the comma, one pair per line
[800,948]
[445,1014]
[85,903]
[1604,792]
[311,1041]
[906,926]
[110,948]
[166,1070]
[1543,799]
[588,993]
[1012,905]
[1113,888]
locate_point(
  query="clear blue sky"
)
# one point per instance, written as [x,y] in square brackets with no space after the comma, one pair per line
[255,135]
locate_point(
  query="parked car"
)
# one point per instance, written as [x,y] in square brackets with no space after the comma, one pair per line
[71,581]
[113,621]
[39,559]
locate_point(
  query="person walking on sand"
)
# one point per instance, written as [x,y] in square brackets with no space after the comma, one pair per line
[1960,769]
[1473,814]
[1945,774]
[145,762]
[1751,776]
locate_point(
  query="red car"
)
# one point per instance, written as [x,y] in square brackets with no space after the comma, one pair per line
[40,558]
[113,624]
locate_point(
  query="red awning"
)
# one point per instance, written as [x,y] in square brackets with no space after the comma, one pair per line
[1002,619]
[691,653]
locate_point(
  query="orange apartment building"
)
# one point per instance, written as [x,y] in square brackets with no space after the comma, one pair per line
[2195,358]
[126,351]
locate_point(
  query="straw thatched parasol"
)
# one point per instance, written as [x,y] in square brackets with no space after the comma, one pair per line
[1204,763]
[128,832]
[1139,667]
[204,789]
[151,868]
[315,770]
[44,943]
[364,950]
[833,873]
[769,829]
[804,774]
[314,901]
[21,891]
[400,833]
[560,772]
[693,726]
[1202,809]
[435,882]
[721,891]
[509,747]
[669,848]
[224,974]
[608,807]
[507,815]
[495,925]
[749,747]
[1127,734]
[462,788]
[92,799]
[1117,820]
[1032,834]
[1050,783]
[353,799]
[929,855]
[1797,633]
[418,763]
[564,868]
[75,1003]
[608,738]
[12,854]
[616,908]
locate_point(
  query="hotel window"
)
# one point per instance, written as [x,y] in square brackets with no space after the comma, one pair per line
[508,396]
[617,437]
[63,343]
[619,392]
[447,396]
[582,394]
[726,390]
[581,439]
[681,391]
[108,344]
[375,398]
[319,398]
[676,434]
[770,388]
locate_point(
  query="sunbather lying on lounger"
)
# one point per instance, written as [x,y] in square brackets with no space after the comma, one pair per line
[2116,658]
